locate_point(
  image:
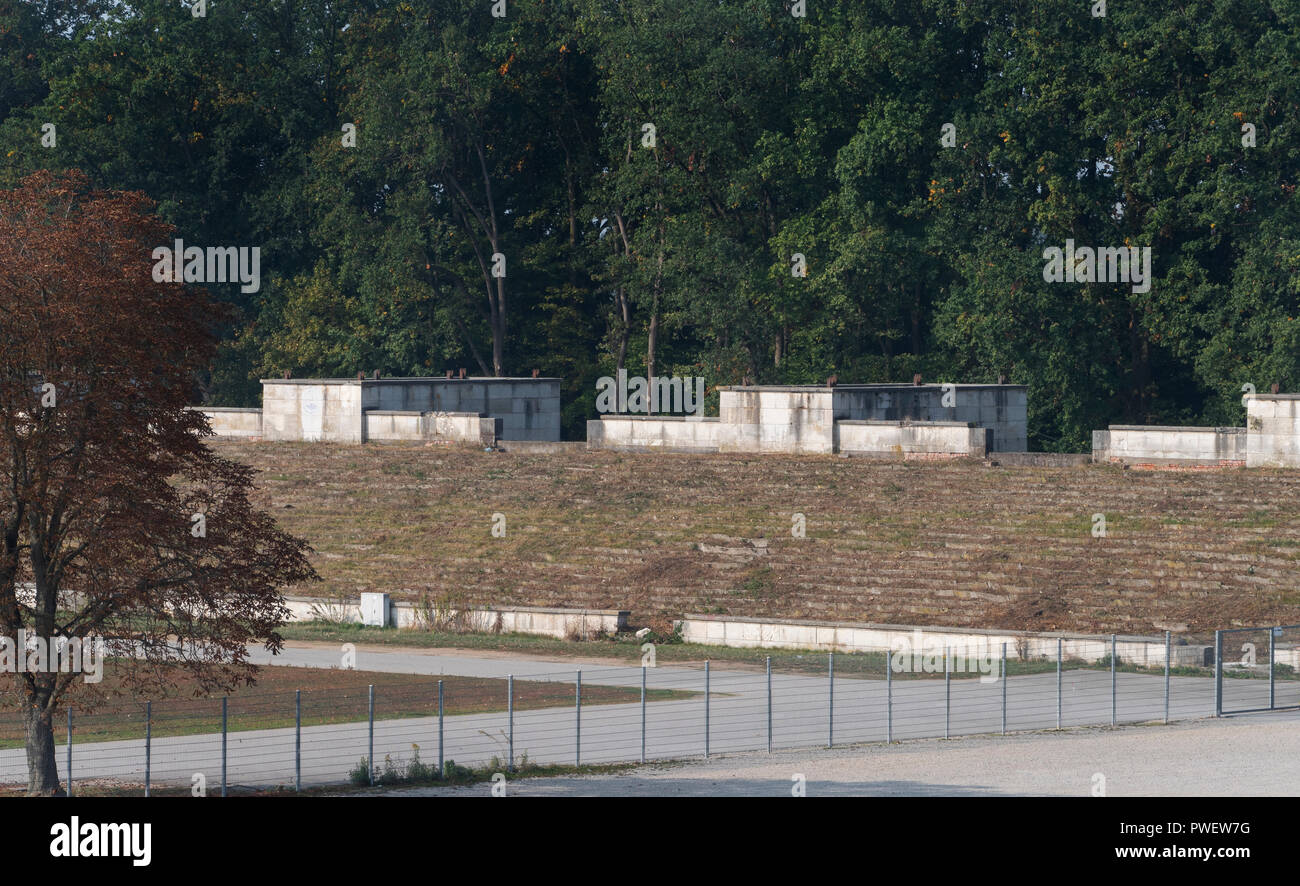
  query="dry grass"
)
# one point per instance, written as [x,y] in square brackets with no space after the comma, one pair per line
[937,543]
[328,696]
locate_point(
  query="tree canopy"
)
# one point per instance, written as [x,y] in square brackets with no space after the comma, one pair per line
[579,185]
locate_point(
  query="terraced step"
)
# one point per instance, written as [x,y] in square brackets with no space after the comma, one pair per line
[950,543]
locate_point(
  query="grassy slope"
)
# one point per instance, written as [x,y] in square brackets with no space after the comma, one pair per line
[917,543]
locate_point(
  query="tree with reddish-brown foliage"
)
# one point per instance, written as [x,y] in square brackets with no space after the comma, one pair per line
[104,469]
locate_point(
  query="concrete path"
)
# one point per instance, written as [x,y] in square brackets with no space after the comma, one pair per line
[736,715]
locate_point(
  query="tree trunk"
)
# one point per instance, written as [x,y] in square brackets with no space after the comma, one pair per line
[499,330]
[626,330]
[653,338]
[42,770]
[620,294]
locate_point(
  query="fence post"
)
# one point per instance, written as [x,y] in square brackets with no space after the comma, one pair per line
[706,709]
[148,745]
[1169,652]
[1004,688]
[442,770]
[1060,659]
[889,701]
[769,704]
[577,745]
[643,713]
[297,739]
[1272,639]
[1113,701]
[224,699]
[1218,673]
[830,722]
[70,751]
[947,689]
[510,712]
[371,751]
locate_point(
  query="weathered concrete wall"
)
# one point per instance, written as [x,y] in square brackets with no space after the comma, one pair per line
[1044,459]
[312,410]
[801,419]
[383,426]
[529,408]
[562,623]
[726,630]
[1159,445]
[541,447]
[788,419]
[334,409]
[387,426]
[229,421]
[1273,431]
[645,433]
[900,439]
[1002,408]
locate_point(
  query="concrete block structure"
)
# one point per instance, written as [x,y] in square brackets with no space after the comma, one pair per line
[347,410]
[312,410]
[1270,439]
[887,420]
[1273,431]
[1003,409]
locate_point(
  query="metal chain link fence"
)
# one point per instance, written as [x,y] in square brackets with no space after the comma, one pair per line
[393,728]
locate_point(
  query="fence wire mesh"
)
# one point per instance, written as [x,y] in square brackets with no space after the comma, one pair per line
[381,728]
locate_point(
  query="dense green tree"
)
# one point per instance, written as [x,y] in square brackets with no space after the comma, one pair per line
[918,155]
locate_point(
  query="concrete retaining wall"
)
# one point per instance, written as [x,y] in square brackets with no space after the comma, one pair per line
[228,421]
[1273,431]
[1158,445]
[459,427]
[561,623]
[645,433]
[900,439]
[971,643]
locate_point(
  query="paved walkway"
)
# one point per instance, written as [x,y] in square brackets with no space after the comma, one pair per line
[1253,756]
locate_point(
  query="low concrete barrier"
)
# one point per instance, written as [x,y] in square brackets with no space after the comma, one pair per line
[232,421]
[1042,459]
[642,433]
[540,447]
[904,439]
[1159,445]
[970,642]
[562,623]
[882,439]
[387,425]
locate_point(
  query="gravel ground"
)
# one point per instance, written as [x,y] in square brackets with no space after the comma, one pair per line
[1255,755]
